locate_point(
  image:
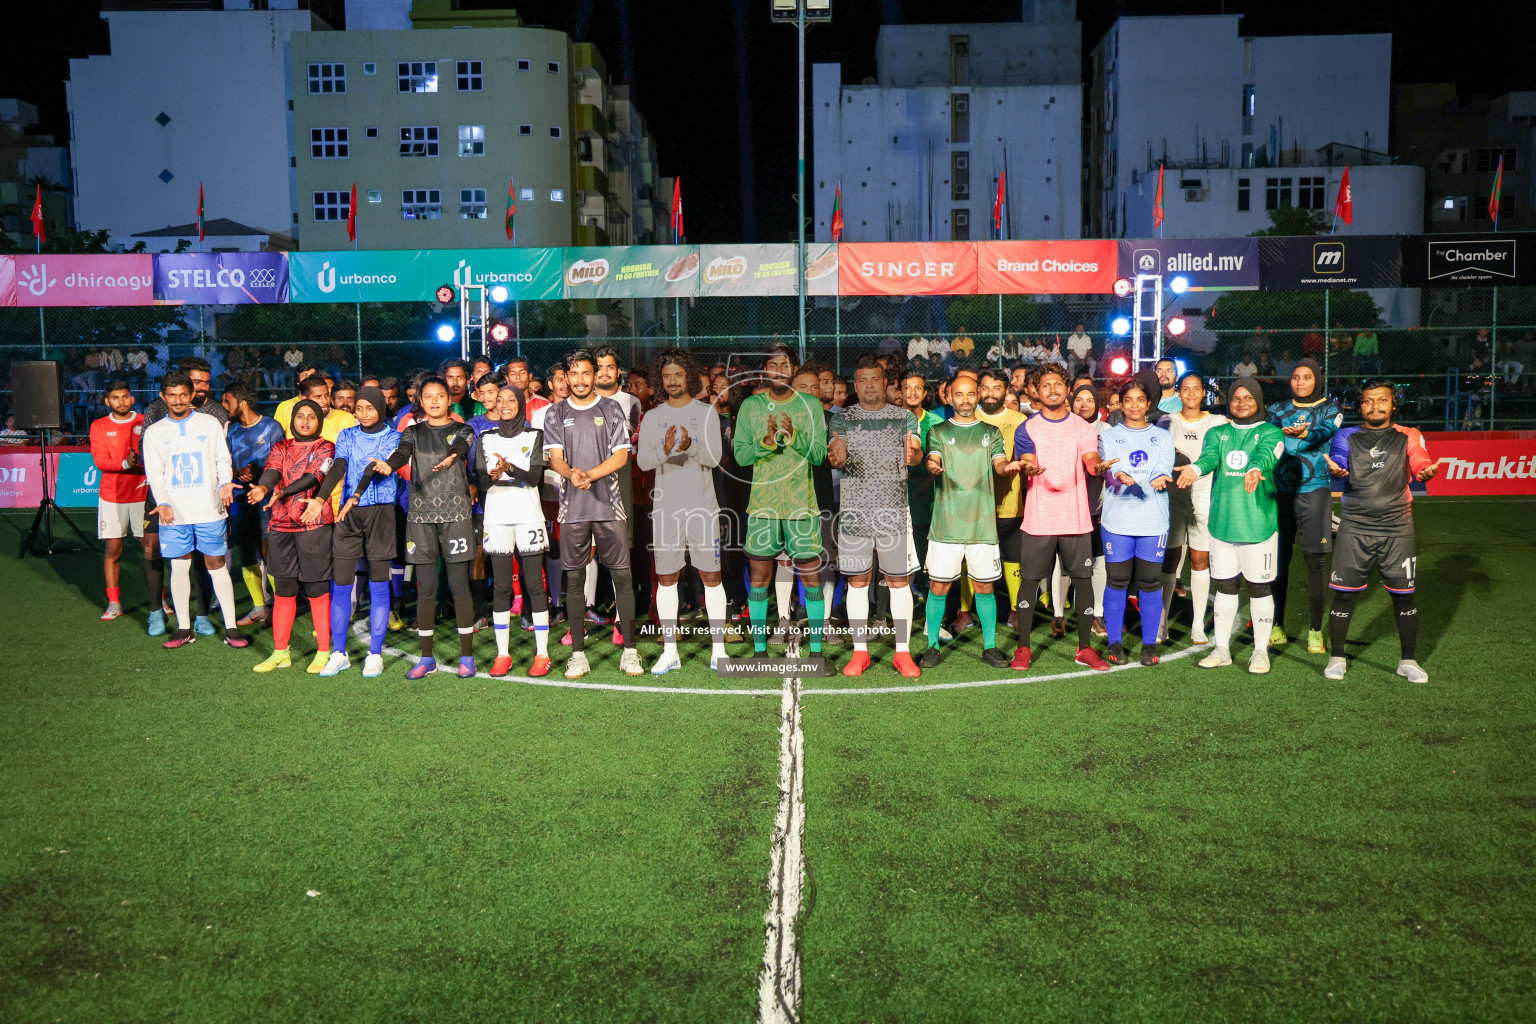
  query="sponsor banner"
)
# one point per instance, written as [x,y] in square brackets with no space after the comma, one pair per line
[7,281]
[51,279]
[214,278]
[344,275]
[1210,264]
[1483,463]
[760,269]
[76,480]
[821,268]
[21,482]
[1441,260]
[906,268]
[524,273]
[631,272]
[1047,268]
[1326,261]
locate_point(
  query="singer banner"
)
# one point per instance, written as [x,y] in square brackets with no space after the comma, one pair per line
[906,268]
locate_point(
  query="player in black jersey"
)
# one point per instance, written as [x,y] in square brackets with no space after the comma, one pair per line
[438,523]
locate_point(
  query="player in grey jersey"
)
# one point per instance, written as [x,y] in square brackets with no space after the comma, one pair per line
[680,439]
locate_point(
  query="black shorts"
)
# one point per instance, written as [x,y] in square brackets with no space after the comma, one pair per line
[151,520]
[368,532]
[1037,555]
[1308,517]
[611,538]
[244,533]
[1010,539]
[1395,559]
[304,556]
[425,543]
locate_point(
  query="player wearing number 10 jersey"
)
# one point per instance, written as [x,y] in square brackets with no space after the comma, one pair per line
[1377,462]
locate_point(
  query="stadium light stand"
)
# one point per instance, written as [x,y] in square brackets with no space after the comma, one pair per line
[800,13]
[1123,287]
[446,294]
[499,333]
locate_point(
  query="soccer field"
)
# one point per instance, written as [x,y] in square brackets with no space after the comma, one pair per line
[1161,844]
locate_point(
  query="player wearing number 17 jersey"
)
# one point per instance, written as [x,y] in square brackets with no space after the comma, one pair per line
[1377,462]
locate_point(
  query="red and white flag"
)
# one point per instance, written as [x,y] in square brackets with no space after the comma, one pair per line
[1157,202]
[352,215]
[997,204]
[37,215]
[677,209]
[1344,205]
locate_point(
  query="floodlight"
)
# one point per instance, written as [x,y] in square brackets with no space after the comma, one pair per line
[1123,287]
[1180,285]
[446,294]
[1120,325]
[1119,366]
[446,332]
[499,293]
[1175,327]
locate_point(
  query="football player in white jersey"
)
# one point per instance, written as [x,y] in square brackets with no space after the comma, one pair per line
[1189,510]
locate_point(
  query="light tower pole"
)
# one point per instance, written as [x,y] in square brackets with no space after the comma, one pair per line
[801,11]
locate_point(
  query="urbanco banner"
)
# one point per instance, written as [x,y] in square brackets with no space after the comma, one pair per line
[365,275]
[524,273]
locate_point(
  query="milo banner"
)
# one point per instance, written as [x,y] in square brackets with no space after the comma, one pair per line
[214,278]
[524,273]
[759,269]
[1209,264]
[631,272]
[389,275]
[1440,261]
[821,268]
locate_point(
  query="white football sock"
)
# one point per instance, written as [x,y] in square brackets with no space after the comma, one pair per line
[1263,611]
[858,616]
[714,605]
[224,590]
[1100,581]
[1058,592]
[666,612]
[502,621]
[181,590]
[590,587]
[1226,618]
[784,587]
[901,616]
[1199,594]
[540,633]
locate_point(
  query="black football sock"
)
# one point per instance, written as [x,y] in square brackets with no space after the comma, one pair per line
[1338,621]
[1316,587]
[576,608]
[463,606]
[154,582]
[624,599]
[1029,593]
[1407,623]
[1082,604]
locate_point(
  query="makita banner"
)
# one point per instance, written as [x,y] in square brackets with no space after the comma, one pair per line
[387,275]
[1462,260]
[1047,268]
[50,279]
[524,273]
[7,281]
[1475,464]
[1331,261]
[220,278]
[906,268]
[631,272]
[1209,264]
[760,269]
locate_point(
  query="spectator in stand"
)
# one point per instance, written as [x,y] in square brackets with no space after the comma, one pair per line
[1521,354]
[288,380]
[938,351]
[1341,349]
[1312,343]
[1286,363]
[1367,352]
[11,435]
[964,346]
[917,348]
[1247,367]
[1080,348]
[137,366]
[889,347]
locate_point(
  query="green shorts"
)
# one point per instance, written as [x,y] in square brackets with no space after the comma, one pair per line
[800,539]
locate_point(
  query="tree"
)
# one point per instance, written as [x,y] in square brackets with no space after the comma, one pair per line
[1291,221]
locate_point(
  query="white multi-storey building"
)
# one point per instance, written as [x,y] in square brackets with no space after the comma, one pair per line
[919,149]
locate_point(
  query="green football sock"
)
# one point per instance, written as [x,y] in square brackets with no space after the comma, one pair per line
[935,611]
[757,610]
[986,611]
[815,615]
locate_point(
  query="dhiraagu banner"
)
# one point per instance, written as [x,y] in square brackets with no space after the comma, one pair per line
[390,275]
[524,273]
[631,272]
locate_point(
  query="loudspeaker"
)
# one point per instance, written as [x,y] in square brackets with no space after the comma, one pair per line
[37,395]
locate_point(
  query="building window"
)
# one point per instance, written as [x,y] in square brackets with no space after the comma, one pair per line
[418,140]
[471,140]
[327,78]
[960,225]
[416,75]
[375,196]
[524,64]
[1488,160]
[470,77]
[472,203]
[557,195]
[959,176]
[1449,210]
[1242,194]
[1249,107]
[554,131]
[1507,208]
[959,60]
[959,118]
[1248,158]
[553,67]
[1309,193]
[525,129]
[328,143]
[525,195]
[332,205]
[370,68]
[1277,193]
[421,204]
[370,133]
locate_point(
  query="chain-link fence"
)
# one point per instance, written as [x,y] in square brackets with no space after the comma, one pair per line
[1468,363]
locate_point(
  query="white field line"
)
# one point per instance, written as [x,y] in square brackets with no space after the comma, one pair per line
[779,984]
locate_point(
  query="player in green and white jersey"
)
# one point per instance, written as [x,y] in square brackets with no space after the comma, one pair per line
[964,454]
[781,434]
[1240,457]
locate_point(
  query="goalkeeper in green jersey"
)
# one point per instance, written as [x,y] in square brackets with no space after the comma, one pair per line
[781,434]
[1240,457]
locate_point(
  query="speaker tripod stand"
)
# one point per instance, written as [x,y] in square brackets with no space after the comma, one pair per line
[41,537]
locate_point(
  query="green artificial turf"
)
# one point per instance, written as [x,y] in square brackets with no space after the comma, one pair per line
[1161,845]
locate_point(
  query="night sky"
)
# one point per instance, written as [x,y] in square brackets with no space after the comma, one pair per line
[716,81]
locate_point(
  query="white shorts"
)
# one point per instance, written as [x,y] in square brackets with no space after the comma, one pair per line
[1256,563]
[895,555]
[1188,523]
[516,538]
[679,537]
[984,562]
[118,519]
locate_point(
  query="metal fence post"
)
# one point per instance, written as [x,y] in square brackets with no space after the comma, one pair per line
[1493,358]
[42,335]
[359,310]
[1327,336]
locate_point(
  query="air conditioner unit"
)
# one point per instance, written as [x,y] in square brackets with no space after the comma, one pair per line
[1194,195]
[962,190]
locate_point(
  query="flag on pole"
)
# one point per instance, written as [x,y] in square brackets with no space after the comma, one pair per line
[837,214]
[1493,200]
[352,215]
[997,204]
[37,215]
[511,210]
[677,209]
[1344,205]
[1157,202]
[200,233]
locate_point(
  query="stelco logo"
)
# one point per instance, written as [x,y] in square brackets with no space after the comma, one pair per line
[327,279]
[586,272]
[465,275]
[733,269]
